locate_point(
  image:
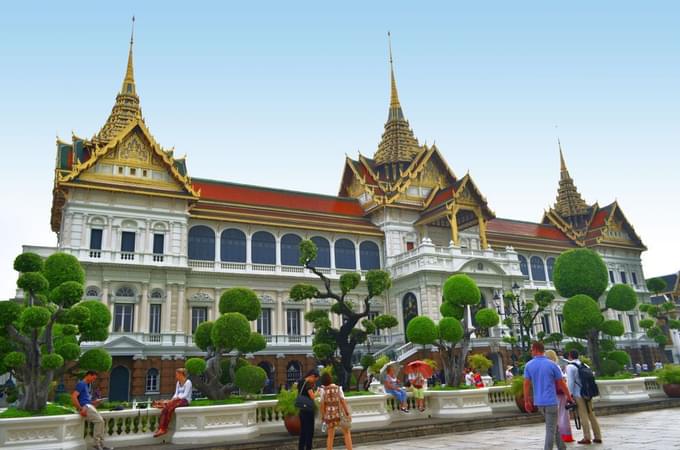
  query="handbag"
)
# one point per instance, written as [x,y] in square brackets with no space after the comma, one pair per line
[302,402]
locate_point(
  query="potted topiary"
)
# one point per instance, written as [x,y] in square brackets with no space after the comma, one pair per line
[481,364]
[286,405]
[669,377]
[517,389]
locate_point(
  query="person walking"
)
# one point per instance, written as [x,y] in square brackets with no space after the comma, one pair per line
[88,408]
[182,397]
[584,404]
[563,424]
[334,411]
[306,389]
[541,379]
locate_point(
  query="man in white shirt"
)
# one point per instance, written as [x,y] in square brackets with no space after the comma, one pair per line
[584,405]
[182,397]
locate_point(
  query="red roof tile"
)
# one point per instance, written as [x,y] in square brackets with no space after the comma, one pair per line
[268,197]
[513,227]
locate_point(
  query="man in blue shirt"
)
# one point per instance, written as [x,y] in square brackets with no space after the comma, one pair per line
[541,376]
[88,408]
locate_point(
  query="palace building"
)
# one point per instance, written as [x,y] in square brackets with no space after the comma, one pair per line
[159,246]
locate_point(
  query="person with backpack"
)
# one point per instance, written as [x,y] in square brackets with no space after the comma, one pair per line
[583,387]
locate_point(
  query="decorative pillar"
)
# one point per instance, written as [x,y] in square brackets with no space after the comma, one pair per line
[167,310]
[180,310]
[454,226]
[332,252]
[218,249]
[281,316]
[482,231]
[143,326]
[357,256]
[278,250]
[249,249]
[107,302]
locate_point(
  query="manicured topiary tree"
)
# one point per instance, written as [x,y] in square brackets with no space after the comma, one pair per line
[581,276]
[225,341]
[40,339]
[461,298]
[250,379]
[331,345]
[521,315]
[663,317]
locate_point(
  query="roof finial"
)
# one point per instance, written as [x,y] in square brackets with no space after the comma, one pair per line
[563,165]
[394,97]
[129,81]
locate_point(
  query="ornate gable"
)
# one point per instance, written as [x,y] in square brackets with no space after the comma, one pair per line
[610,227]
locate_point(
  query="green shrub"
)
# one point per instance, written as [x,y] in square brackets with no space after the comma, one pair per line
[231,330]
[69,351]
[51,361]
[448,309]
[28,262]
[621,297]
[421,330]
[285,401]
[96,359]
[67,294]
[9,312]
[240,300]
[612,328]
[580,271]
[377,281]
[582,313]
[250,379]
[32,281]
[15,360]
[487,318]
[480,362]
[573,345]
[62,267]
[460,289]
[195,366]
[35,316]
[450,329]
[611,367]
[621,357]
[669,374]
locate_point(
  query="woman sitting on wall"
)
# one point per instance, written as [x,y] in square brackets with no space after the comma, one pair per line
[182,397]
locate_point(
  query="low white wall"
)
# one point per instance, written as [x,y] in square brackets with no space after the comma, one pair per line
[44,433]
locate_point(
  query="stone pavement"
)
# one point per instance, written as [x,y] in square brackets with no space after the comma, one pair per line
[649,430]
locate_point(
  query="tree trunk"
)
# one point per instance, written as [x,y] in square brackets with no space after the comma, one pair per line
[345,372]
[594,350]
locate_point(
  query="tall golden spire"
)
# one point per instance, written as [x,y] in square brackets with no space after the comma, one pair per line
[398,144]
[126,109]
[569,202]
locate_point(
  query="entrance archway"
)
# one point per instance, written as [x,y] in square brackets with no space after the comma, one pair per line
[269,387]
[409,308]
[119,384]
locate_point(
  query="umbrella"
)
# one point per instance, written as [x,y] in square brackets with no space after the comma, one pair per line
[420,367]
[383,371]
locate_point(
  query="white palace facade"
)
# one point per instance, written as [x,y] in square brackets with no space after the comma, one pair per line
[159,246]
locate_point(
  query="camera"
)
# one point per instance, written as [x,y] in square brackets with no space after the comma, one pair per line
[570,406]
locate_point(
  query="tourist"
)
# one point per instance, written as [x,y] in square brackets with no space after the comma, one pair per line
[508,373]
[88,408]
[645,367]
[469,377]
[541,378]
[392,387]
[638,368]
[334,411]
[658,365]
[306,389]
[563,424]
[418,384]
[477,379]
[182,397]
[584,404]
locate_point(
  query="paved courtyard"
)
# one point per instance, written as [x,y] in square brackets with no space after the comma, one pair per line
[645,430]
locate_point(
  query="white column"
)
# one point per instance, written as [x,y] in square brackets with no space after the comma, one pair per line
[249,249]
[278,250]
[167,310]
[306,327]
[357,256]
[105,300]
[217,248]
[181,306]
[143,324]
[282,317]
[108,239]
[332,252]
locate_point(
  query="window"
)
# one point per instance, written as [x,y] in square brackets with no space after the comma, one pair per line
[344,254]
[201,243]
[125,291]
[537,269]
[611,277]
[624,279]
[293,372]
[158,244]
[410,246]
[154,318]
[199,314]
[550,262]
[133,171]
[123,315]
[634,276]
[523,266]
[632,321]
[409,306]
[293,322]
[127,241]
[560,320]
[152,381]
[290,250]
[369,255]
[323,252]
[264,322]
[545,321]
[264,248]
[233,245]
[95,239]
[371,316]
[92,291]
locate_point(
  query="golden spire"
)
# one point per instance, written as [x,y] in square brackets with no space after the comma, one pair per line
[126,109]
[398,144]
[569,202]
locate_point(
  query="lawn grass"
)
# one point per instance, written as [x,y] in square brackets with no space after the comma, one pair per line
[49,410]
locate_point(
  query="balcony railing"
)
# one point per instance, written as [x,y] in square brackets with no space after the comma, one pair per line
[241,267]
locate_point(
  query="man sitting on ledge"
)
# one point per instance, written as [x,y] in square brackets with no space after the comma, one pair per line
[182,397]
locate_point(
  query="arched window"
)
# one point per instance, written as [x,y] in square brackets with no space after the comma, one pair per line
[290,250]
[125,291]
[264,248]
[523,266]
[233,245]
[323,252]
[293,372]
[369,255]
[152,381]
[344,254]
[551,265]
[92,291]
[537,269]
[156,294]
[201,243]
[409,306]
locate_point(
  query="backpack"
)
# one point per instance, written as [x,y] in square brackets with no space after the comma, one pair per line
[586,381]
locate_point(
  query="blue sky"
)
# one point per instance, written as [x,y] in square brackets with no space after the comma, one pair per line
[275,93]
